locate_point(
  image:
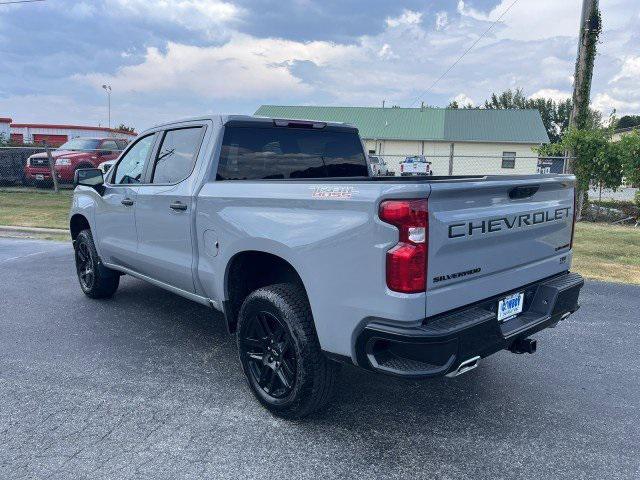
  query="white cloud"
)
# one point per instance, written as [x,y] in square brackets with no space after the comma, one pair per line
[530,20]
[244,67]
[408,17]
[385,52]
[630,70]
[552,93]
[396,64]
[623,89]
[533,49]
[606,103]
[464,100]
[442,20]
[206,16]
[467,11]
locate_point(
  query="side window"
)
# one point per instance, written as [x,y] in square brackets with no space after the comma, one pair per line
[109,145]
[177,155]
[129,169]
[508,159]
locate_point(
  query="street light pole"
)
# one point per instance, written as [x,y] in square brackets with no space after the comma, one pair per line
[107,89]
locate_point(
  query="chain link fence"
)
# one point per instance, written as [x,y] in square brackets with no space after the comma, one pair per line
[49,167]
[39,166]
[443,165]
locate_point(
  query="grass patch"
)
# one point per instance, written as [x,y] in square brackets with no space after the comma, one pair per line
[601,252]
[607,252]
[33,208]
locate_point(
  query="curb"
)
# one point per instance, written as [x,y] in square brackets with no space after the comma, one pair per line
[11,228]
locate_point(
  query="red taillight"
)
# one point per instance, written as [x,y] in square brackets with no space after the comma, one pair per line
[407,260]
[573,226]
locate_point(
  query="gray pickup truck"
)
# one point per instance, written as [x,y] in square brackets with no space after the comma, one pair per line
[313,263]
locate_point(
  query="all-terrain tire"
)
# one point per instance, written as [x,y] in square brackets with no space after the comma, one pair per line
[96,280]
[315,375]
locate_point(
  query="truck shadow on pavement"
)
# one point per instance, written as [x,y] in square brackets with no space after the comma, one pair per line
[193,339]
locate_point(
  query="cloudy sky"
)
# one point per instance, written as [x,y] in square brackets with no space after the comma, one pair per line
[173,58]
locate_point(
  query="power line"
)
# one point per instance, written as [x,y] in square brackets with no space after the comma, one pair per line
[465,52]
[21,1]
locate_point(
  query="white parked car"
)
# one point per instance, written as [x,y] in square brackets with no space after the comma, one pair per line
[416,165]
[105,166]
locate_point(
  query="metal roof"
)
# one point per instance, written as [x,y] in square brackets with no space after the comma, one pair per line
[433,124]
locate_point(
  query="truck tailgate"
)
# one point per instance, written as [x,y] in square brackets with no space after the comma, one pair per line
[491,236]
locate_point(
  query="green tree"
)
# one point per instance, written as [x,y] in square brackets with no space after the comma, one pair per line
[507,99]
[599,160]
[124,128]
[455,105]
[630,147]
[628,121]
[555,114]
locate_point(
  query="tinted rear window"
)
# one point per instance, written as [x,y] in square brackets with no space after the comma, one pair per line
[251,153]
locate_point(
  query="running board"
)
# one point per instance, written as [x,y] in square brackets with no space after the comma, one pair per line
[178,291]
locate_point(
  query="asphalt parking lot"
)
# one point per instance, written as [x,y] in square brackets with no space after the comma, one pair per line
[147,385]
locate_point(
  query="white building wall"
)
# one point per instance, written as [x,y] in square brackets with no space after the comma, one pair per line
[470,158]
[28,132]
[486,159]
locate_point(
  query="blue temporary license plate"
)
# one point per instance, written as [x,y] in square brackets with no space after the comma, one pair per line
[510,306]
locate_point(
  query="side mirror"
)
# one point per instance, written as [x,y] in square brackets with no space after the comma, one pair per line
[89,177]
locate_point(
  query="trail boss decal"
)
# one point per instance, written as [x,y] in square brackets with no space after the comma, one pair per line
[333,191]
[468,229]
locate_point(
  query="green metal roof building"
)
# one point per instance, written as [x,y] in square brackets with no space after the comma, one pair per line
[439,133]
[428,124]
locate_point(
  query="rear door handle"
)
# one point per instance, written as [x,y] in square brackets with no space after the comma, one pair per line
[127,202]
[178,206]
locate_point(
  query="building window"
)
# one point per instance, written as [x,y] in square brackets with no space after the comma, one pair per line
[508,159]
[372,152]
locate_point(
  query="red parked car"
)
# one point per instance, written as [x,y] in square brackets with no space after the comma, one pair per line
[72,155]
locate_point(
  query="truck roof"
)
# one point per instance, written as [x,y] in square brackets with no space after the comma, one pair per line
[224,118]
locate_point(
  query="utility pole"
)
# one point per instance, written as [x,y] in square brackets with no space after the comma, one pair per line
[588,38]
[107,88]
[590,27]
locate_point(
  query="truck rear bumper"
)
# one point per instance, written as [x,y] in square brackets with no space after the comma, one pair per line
[442,343]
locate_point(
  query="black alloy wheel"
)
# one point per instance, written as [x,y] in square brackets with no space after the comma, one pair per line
[96,280]
[270,355]
[85,266]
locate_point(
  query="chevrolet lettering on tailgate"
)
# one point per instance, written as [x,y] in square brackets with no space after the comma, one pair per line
[457,230]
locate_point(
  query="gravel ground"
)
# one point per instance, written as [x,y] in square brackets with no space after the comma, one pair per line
[147,385]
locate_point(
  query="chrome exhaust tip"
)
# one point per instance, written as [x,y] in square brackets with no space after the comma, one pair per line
[465,367]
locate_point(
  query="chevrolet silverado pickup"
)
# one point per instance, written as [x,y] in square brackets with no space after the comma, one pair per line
[313,262]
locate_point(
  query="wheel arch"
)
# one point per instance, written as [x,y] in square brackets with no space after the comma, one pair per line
[248,270]
[78,223]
